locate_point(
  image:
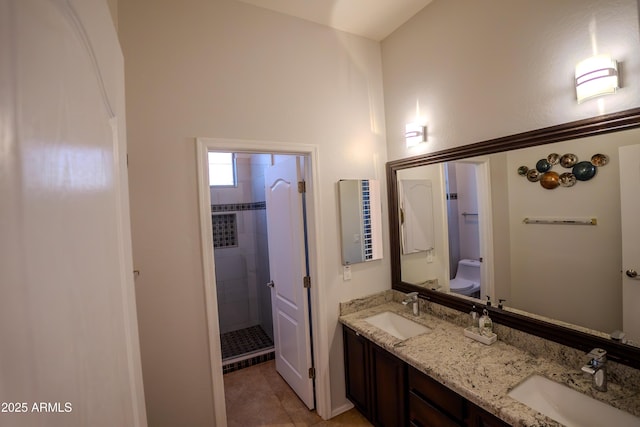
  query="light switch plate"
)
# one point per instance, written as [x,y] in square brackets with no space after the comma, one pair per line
[346,273]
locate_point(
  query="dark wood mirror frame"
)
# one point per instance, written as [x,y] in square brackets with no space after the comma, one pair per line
[624,120]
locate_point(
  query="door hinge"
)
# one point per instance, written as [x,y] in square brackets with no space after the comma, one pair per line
[302,187]
[312,373]
[307,282]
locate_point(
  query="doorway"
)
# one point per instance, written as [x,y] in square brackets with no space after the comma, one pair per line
[318,343]
[241,257]
[467,185]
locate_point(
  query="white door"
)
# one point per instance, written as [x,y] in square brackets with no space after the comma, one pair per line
[70,354]
[630,211]
[287,264]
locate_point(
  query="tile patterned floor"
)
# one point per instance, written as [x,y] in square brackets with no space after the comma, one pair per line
[244,341]
[259,397]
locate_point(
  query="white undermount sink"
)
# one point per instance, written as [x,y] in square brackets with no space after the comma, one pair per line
[396,325]
[568,406]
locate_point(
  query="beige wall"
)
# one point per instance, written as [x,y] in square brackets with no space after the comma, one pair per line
[229,70]
[113,9]
[480,70]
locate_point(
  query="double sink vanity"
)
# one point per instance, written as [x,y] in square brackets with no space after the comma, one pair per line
[561,356]
[420,370]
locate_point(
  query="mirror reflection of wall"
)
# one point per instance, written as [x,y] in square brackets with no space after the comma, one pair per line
[360,220]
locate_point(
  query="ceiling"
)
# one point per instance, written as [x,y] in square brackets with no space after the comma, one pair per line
[373,19]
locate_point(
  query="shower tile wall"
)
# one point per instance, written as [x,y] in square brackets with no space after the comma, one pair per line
[237,278]
[258,164]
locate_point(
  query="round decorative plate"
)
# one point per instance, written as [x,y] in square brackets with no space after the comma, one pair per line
[599,159]
[584,171]
[567,179]
[553,158]
[533,175]
[568,160]
[550,180]
[543,165]
[522,170]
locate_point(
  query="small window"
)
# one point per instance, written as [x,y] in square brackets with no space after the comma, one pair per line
[222,169]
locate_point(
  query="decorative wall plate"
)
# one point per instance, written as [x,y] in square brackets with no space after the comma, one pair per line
[567,179]
[550,180]
[543,165]
[599,159]
[553,158]
[533,175]
[584,171]
[568,160]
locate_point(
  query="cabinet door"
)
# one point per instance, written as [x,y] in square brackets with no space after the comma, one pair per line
[437,396]
[481,418]
[388,373]
[423,414]
[356,366]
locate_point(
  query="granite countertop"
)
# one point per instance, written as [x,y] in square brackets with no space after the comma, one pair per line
[484,374]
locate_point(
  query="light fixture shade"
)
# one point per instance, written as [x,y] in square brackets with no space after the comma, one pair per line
[414,134]
[596,76]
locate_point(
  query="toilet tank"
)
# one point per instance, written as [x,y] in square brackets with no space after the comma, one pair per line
[469,269]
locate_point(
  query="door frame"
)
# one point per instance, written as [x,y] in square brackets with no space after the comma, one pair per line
[317,304]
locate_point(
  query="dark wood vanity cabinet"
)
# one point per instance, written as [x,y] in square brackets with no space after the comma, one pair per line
[478,417]
[375,381]
[356,367]
[433,405]
[391,393]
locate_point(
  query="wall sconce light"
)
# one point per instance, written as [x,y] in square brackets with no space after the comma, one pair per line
[596,76]
[414,134]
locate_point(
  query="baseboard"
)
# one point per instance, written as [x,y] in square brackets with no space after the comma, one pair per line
[342,409]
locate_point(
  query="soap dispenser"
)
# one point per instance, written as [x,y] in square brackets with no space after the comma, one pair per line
[474,324]
[485,324]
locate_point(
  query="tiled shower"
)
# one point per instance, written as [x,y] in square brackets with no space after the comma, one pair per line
[241,256]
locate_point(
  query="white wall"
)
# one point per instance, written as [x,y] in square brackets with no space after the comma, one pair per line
[479,70]
[230,70]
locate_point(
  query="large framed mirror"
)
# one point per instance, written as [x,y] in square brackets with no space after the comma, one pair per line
[553,252]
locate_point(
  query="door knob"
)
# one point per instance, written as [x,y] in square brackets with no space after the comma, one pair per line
[271,284]
[631,273]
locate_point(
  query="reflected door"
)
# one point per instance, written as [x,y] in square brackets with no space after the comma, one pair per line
[630,212]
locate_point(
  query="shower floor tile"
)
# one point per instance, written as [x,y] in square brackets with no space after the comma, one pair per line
[244,341]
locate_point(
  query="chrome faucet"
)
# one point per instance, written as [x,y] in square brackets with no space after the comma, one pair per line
[412,298]
[597,368]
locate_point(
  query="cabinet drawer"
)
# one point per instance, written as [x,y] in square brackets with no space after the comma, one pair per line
[436,394]
[422,414]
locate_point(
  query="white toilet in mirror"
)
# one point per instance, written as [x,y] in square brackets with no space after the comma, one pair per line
[467,280]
